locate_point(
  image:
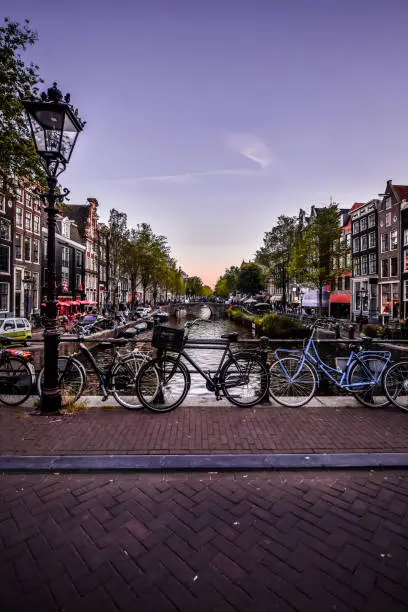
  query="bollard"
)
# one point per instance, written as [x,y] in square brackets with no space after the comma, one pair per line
[337,331]
[351,332]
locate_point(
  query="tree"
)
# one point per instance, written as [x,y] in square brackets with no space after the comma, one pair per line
[194,286]
[18,158]
[276,250]
[315,247]
[118,248]
[251,278]
[221,287]
[207,291]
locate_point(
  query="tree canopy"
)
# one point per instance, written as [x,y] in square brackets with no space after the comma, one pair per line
[18,80]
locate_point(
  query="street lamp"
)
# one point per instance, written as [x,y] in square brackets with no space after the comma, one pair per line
[55,126]
[301,295]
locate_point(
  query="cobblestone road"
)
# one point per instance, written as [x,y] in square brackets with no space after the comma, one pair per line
[287,541]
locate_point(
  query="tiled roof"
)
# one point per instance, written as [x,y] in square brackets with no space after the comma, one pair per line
[402,191]
[357,205]
[79,213]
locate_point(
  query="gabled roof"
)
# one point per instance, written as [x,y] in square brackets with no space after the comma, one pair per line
[78,213]
[357,205]
[402,191]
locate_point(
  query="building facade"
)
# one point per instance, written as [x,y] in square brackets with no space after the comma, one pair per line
[389,236]
[6,255]
[364,241]
[341,294]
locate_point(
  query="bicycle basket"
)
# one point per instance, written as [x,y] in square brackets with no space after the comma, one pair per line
[168,338]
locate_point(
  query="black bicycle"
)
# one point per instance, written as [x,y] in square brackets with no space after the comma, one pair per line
[16,374]
[163,383]
[119,376]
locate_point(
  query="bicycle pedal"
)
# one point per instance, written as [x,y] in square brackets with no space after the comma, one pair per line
[105,397]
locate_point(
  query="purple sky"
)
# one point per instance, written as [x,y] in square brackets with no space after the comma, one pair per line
[209,118]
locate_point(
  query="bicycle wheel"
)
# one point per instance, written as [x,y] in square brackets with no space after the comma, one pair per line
[124,381]
[15,380]
[290,383]
[363,372]
[162,384]
[71,380]
[244,380]
[396,385]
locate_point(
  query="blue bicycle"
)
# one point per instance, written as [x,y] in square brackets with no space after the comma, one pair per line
[295,375]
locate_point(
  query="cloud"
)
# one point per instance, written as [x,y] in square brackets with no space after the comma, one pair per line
[187,177]
[250,146]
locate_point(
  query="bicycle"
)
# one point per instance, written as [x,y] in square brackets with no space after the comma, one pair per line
[295,375]
[163,383]
[119,377]
[16,374]
[396,385]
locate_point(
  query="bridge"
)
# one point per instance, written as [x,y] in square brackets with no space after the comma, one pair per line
[196,309]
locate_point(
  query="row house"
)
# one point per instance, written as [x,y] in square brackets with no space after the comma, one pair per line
[365,224]
[26,273]
[6,254]
[103,265]
[69,260]
[341,295]
[86,220]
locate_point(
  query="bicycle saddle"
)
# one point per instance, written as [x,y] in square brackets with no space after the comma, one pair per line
[232,337]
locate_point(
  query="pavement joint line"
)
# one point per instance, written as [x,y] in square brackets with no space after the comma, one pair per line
[222,462]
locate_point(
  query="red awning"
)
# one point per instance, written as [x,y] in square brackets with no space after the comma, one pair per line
[84,302]
[340,298]
[67,303]
[93,302]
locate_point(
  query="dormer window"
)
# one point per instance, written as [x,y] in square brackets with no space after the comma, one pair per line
[65,228]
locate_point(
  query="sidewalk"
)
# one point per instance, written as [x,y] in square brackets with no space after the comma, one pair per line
[328,425]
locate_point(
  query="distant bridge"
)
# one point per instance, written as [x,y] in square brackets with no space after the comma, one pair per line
[196,309]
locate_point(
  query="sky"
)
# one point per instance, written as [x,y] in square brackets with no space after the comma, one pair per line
[209,118]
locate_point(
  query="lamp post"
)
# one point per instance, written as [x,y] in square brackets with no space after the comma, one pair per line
[55,126]
[301,294]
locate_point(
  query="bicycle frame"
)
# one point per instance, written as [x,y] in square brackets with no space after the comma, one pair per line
[311,356]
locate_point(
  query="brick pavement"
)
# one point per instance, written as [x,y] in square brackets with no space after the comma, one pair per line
[206,429]
[197,542]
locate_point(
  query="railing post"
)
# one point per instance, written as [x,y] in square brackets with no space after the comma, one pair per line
[351,332]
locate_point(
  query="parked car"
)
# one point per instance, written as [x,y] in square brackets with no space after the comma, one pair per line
[143,311]
[16,328]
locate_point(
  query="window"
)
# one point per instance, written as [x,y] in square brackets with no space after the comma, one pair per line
[388,203]
[372,263]
[364,265]
[45,242]
[371,240]
[36,251]
[20,324]
[5,229]
[384,268]
[348,241]
[406,237]
[65,228]
[341,263]
[356,245]
[78,281]
[346,282]
[348,260]
[78,259]
[65,257]
[384,243]
[364,242]
[356,227]
[4,259]
[27,249]
[18,280]
[356,267]
[406,290]
[36,224]
[387,219]
[19,194]
[363,224]
[37,204]
[18,246]
[340,283]
[393,240]
[394,266]
[28,199]
[2,203]
[4,297]
[371,220]
[19,216]
[27,220]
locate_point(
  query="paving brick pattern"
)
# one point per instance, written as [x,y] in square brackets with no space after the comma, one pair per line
[206,429]
[303,542]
